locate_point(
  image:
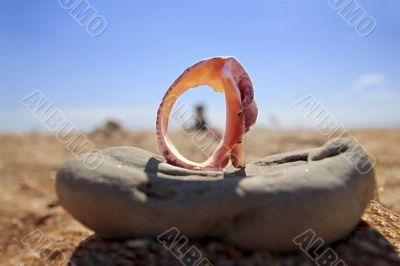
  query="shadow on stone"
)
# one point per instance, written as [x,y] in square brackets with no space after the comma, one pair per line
[152,166]
[238,173]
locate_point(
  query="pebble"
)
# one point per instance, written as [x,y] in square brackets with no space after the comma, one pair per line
[264,206]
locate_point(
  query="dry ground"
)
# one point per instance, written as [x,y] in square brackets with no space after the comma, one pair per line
[28,165]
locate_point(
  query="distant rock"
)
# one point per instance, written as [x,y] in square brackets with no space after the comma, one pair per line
[135,193]
[110,128]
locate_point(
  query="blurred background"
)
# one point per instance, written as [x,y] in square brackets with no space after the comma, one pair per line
[105,65]
[291,49]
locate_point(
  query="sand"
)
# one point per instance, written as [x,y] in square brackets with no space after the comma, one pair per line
[29,162]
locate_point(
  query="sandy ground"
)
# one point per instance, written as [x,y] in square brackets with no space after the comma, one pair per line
[29,162]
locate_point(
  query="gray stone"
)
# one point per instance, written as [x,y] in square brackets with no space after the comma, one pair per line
[134,193]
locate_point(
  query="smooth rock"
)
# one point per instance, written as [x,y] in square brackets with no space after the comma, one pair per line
[134,193]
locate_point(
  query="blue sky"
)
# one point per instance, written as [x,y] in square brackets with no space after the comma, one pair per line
[290,48]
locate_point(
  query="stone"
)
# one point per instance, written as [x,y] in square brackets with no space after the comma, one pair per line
[134,193]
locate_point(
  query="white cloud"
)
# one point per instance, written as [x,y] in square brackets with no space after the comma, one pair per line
[381,95]
[371,88]
[369,80]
